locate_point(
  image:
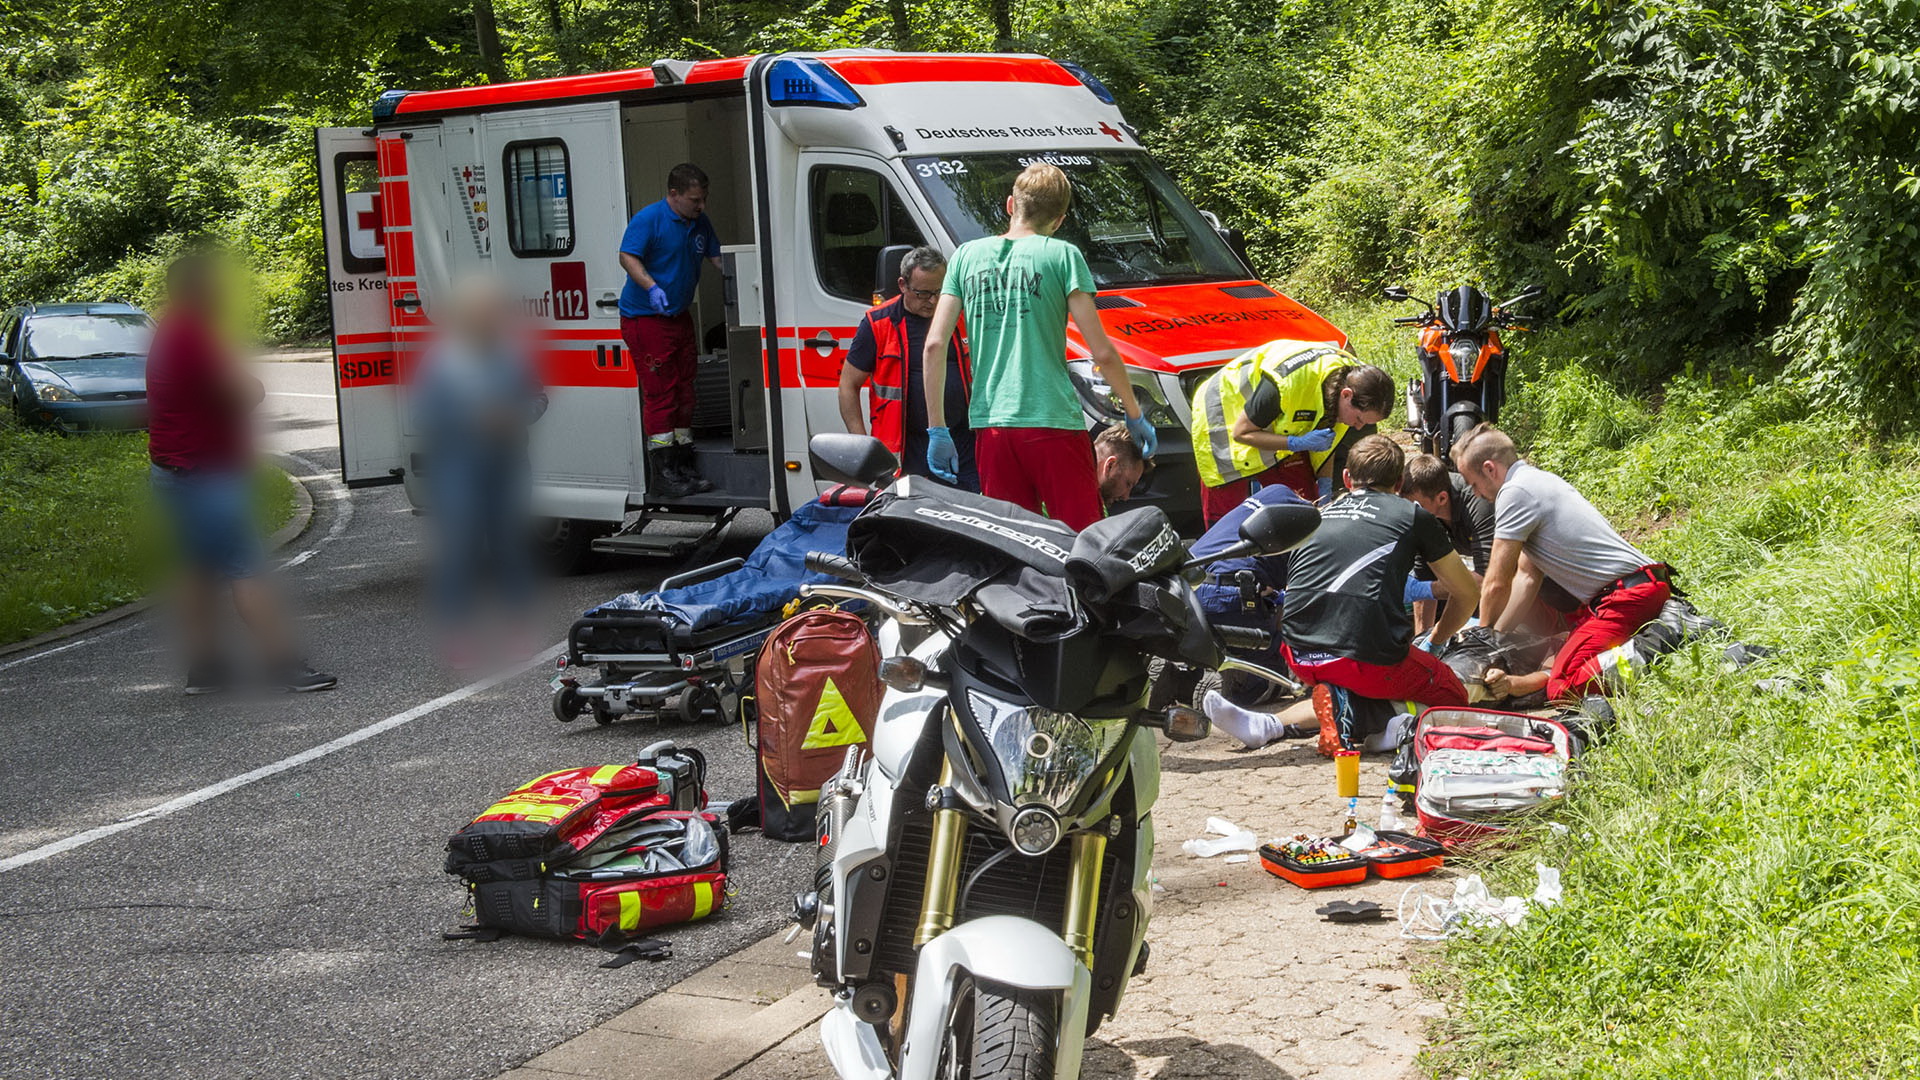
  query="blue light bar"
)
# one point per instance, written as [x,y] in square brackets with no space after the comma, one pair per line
[809,81]
[1089,80]
[388,103]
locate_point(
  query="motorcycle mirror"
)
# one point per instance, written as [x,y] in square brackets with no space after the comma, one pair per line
[1395,292]
[843,458]
[1279,527]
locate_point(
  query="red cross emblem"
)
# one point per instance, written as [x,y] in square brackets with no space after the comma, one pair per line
[370,219]
[1109,129]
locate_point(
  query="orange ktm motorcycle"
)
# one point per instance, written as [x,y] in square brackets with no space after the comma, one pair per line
[1462,362]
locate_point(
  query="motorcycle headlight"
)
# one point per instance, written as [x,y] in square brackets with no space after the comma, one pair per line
[1465,351]
[1045,756]
[46,391]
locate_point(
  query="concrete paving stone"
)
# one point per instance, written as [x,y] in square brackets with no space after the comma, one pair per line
[736,981]
[674,1015]
[606,1054]
[773,952]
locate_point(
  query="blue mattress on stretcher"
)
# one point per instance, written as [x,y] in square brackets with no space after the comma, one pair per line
[756,592]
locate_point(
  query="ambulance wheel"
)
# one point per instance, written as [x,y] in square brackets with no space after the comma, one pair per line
[701,703]
[566,543]
[568,704]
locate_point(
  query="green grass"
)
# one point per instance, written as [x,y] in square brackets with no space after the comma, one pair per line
[1742,869]
[78,533]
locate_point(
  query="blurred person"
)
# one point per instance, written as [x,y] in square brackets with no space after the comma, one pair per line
[199,398]
[1017,291]
[1118,463]
[474,398]
[1541,521]
[1258,420]
[886,352]
[661,253]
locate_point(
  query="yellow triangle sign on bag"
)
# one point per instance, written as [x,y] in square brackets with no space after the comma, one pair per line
[833,722]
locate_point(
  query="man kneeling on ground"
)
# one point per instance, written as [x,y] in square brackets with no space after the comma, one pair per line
[1345,626]
[1541,516]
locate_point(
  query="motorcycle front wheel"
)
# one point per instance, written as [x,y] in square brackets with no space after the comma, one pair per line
[997,1032]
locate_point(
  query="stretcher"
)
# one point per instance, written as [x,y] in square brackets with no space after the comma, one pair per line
[688,648]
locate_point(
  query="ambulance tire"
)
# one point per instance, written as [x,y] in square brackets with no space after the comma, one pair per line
[565,544]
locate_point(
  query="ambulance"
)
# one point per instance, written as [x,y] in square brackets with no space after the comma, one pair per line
[824,168]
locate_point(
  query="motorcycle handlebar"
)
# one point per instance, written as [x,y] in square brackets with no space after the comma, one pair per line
[1409,320]
[822,562]
[1244,637]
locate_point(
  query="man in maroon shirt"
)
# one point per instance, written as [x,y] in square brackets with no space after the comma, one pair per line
[198,398]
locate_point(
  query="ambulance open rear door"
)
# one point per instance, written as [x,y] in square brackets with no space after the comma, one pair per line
[366,371]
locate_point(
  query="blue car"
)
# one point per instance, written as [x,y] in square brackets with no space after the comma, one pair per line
[77,367]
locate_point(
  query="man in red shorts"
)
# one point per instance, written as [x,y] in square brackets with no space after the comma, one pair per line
[1017,291]
[661,253]
[1539,515]
[1344,626]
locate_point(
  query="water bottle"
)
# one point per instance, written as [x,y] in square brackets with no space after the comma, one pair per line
[1389,812]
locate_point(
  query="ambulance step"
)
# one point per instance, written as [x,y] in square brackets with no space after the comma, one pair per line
[671,545]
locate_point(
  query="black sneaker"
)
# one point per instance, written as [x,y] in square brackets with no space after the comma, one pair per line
[684,468]
[665,481]
[208,678]
[300,678]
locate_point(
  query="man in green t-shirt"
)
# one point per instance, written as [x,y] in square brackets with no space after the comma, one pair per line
[1017,291]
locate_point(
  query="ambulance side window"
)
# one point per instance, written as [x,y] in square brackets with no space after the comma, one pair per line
[855,213]
[363,247]
[539,199]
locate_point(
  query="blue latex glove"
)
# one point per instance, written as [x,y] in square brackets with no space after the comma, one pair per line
[943,458]
[1143,434]
[1425,643]
[1418,590]
[1317,441]
[657,296]
[1326,490]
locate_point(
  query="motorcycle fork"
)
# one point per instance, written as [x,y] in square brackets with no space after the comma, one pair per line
[939,897]
[1083,892]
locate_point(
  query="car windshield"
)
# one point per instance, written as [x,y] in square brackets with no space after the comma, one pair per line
[1128,217]
[74,337]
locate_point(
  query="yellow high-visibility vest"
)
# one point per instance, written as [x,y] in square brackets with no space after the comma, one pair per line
[1297,368]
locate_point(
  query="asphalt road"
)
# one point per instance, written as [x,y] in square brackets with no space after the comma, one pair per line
[290,925]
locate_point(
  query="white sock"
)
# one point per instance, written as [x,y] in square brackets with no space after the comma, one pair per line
[1253,729]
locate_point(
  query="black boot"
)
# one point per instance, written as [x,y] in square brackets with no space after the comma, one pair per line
[686,467]
[663,480]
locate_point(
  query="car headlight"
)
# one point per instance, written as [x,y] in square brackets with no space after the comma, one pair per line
[1046,757]
[1465,351]
[46,391]
[1101,403]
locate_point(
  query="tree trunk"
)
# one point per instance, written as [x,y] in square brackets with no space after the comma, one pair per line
[1002,25]
[902,29]
[486,34]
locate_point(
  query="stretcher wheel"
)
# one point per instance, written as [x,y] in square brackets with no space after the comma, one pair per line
[701,703]
[601,715]
[568,704]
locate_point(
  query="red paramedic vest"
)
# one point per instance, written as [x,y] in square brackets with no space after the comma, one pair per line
[888,324]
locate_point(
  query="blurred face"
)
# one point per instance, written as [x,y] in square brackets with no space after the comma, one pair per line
[689,204]
[1118,478]
[1357,418]
[921,290]
[1439,506]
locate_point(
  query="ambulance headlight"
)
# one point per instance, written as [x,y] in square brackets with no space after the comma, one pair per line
[1101,403]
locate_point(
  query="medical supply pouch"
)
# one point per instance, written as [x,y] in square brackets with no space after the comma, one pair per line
[554,816]
[818,693]
[1479,768]
[665,867]
[1313,864]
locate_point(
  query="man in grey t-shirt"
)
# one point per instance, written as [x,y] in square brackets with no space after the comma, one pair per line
[1542,522]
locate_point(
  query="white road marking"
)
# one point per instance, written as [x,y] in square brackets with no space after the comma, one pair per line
[291,393]
[234,783]
[64,648]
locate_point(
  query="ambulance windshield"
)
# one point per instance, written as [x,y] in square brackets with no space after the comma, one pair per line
[1128,217]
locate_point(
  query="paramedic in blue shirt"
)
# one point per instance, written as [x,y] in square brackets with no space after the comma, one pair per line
[661,254]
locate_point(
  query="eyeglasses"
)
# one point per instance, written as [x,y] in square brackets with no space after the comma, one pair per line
[922,294]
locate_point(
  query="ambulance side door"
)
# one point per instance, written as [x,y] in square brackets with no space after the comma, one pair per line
[353,198]
[555,192]
[850,206]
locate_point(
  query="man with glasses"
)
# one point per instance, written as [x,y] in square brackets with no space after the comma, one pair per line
[885,355]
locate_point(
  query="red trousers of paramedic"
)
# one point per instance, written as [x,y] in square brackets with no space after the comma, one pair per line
[1605,623]
[1293,472]
[1420,678]
[1046,470]
[662,348]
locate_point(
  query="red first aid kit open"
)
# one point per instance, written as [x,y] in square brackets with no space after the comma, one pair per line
[1481,768]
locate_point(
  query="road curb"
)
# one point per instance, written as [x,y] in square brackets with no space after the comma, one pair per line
[286,534]
[707,1026]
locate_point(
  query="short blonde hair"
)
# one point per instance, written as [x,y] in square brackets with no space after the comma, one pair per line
[1041,193]
[1481,444]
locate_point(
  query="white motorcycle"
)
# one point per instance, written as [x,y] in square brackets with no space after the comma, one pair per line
[981,893]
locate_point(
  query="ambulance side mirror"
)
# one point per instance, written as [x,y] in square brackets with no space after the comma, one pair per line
[886,272]
[860,460]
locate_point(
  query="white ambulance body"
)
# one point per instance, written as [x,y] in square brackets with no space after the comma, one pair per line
[817,163]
